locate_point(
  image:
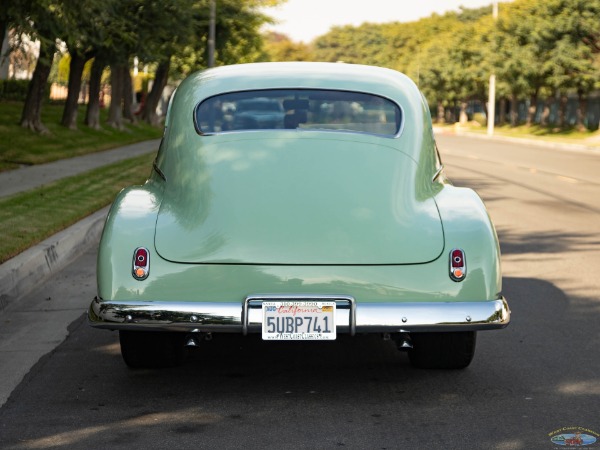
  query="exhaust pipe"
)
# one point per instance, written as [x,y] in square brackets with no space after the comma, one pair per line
[403,341]
[192,340]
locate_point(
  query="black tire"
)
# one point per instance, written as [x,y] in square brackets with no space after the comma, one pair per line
[151,349]
[450,350]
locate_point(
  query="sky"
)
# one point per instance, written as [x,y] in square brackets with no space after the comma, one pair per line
[303,20]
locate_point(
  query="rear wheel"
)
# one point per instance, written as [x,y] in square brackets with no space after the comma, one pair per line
[151,349]
[451,350]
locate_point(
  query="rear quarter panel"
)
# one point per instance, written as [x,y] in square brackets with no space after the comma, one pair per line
[130,224]
[467,226]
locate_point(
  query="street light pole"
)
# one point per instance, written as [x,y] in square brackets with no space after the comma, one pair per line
[212,33]
[492,92]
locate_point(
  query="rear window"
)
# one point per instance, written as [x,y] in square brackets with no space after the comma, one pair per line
[304,109]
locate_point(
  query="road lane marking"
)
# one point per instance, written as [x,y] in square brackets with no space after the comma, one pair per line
[567,179]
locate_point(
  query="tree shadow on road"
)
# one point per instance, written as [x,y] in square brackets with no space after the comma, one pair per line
[514,241]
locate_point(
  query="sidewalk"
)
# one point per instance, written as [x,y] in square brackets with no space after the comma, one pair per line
[23,273]
[26,178]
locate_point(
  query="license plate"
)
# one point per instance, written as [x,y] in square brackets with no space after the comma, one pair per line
[297,321]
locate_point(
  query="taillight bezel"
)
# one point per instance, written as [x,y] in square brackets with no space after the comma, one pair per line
[141,263]
[458,264]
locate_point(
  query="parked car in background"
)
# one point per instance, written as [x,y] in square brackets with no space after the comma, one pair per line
[334,218]
[256,113]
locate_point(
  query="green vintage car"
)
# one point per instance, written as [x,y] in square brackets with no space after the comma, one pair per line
[322,209]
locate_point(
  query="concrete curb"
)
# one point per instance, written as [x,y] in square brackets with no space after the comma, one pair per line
[32,267]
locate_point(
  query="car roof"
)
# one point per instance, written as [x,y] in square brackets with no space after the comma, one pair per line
[308,75]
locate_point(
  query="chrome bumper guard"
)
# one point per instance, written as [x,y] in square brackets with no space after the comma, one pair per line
[246,318]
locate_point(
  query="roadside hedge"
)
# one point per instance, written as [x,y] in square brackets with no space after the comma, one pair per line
[13,89]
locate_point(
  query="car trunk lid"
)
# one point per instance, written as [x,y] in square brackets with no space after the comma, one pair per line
[299,200]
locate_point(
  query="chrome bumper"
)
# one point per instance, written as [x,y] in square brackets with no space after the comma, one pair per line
[351,317]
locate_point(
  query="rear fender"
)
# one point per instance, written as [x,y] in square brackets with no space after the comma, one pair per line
[130,224]
[468,226]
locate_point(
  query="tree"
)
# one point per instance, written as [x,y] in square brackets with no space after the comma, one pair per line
[161,77]
[357,45]
[127,33]
[576,36]
[238,40]
[92,114]
[433,80]
[31,117]
[279,47]
[516,65]
[38,19]
[43,23]
[465,76]
[161,43]
[13,13]
[443,54]
[84,27]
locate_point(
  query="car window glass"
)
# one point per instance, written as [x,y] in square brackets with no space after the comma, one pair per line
[305,109]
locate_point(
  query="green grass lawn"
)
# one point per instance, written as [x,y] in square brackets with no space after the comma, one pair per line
[20,146]
[28,218]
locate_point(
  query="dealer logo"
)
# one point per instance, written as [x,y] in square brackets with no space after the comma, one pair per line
[574,437]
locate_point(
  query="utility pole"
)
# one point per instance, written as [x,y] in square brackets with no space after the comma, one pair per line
[492,91]
[212,33]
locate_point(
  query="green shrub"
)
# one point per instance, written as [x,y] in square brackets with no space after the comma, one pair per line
[13,89]
[480,118]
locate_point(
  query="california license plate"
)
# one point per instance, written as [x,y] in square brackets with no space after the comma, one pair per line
[297,321]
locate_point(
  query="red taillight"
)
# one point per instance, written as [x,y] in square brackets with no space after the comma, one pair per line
[141,263]
[458,265]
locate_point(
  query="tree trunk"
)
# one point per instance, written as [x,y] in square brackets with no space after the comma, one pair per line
[115,111]
[545,119]
[562,111]
[514,116]
[502,115]
[160,81]
[69,117]
[453,112]
[127,95]
[581,110]
[32,109]
[92,115]
[532,109]
[441,113]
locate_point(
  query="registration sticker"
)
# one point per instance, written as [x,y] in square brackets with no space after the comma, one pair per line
[298,320]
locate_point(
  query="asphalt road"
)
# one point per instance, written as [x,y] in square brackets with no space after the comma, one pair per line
[539,375]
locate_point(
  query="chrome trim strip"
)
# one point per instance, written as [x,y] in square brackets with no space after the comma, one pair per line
[158,171]
[245,317]
[437,174]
